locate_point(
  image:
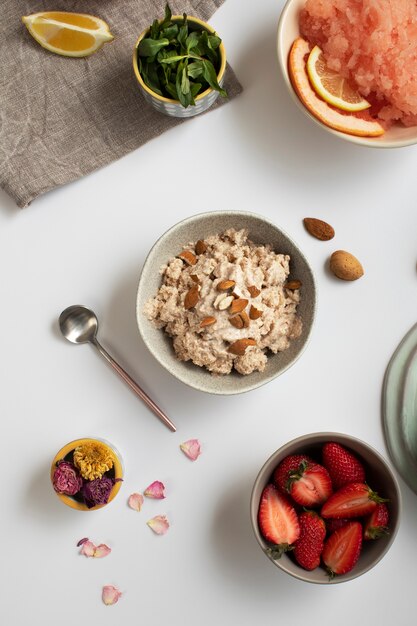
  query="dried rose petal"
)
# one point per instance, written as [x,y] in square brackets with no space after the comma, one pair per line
[135,501]
[81,541]
[159,524]
[191,449]
[110,595]
[89,549]
[155,490]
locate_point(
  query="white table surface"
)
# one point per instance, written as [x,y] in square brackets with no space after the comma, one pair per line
[86,243]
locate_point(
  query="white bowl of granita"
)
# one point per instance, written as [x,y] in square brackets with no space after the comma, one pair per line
[351,67]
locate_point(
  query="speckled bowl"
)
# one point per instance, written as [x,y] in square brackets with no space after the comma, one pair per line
[261,231]
[288,30]
[380,477]
[171,107]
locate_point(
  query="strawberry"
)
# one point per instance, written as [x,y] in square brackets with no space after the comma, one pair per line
[352,500]
[278,521]
[342,465]
[287,466]
[342,549]
[376,524]
[308,548]
[310,485]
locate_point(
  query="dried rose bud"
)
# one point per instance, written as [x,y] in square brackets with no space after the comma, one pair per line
[97,491]
[67,479]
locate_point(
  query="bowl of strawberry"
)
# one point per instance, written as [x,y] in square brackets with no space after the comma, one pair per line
[325,507]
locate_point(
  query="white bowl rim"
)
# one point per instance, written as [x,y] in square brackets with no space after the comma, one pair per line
[183,378]
[367,142]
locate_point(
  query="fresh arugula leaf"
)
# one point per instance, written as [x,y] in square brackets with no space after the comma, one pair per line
[149,47]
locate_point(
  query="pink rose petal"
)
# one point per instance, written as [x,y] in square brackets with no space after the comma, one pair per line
[191,449]
[110,595]
[81,541]
[135,501]
[89,549]
[159,524]
[155,490]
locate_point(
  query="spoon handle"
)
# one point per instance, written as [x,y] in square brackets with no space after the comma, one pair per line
[134,386]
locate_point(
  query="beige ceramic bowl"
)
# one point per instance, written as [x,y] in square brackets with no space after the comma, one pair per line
[380,477]
[261,231]
[288,31]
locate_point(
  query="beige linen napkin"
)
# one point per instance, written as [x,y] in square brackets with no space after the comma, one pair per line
[62,118]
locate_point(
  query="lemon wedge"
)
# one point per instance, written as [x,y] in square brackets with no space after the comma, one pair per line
[331,86]
[68,34]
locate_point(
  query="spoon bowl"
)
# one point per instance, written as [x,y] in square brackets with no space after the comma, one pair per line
[78,324]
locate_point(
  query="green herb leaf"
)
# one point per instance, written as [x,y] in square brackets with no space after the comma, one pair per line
[183,85]
[195,69]
[154,30]
[214,41]
[150,77]
[149,47]
[172,90]
[174,59]
[209,73]
[170,32]
[192,41]
[195,89]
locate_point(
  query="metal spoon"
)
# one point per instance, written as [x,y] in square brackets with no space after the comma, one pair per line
[79,325]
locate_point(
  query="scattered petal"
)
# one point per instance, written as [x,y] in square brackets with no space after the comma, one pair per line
[110,595]
[81,541]
[191,448]
[89,549]
[155,490]
[101,551]
[135,501]
[159,524]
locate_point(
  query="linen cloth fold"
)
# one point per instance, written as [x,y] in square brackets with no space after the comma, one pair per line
[61,117]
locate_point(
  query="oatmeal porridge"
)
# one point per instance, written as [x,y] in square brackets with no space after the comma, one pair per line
[227,302]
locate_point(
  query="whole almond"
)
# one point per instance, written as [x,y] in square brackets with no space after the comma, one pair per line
[319,229]
[239,346]
[254,291]
[238,305]
[200,247]
[345,266]
[188,257]
[293,285]
[191,297]
[225,285]
[207,321]
[241,320]
[254,313]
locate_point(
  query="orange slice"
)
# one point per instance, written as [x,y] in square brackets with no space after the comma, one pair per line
[68,34]
[331,86]
[343,122]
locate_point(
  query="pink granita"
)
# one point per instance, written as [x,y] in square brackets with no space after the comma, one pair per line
[372,43]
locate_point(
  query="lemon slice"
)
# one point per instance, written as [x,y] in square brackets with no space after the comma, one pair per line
[331,86]
[68,34]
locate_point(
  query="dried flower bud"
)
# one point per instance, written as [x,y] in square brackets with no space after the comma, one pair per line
[66,479]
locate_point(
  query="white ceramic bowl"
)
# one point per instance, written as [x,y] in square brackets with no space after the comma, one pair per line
[380,477]
[288,31]
[261,231]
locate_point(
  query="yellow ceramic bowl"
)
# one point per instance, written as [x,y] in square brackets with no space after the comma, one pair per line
[118,473]
[172,107]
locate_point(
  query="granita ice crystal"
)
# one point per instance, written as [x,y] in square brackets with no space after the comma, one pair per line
[372,43]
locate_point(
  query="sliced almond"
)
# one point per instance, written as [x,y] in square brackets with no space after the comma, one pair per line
[318,229]
[238,305]
[293,285]
[200,247]
[225,285]
[195,278]
[207,321]
[239,346]
[188,257]
[254,313]
[254,291]
[191,297]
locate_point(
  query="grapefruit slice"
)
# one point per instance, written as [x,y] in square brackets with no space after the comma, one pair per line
[363,126]
[331,86]
[68,34]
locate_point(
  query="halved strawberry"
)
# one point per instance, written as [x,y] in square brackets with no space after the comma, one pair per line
[376,524]
[308,548]
[353,500]
[287,466]
[278,521]
[333,524]
[342,549]
[310,485]
[342,465]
